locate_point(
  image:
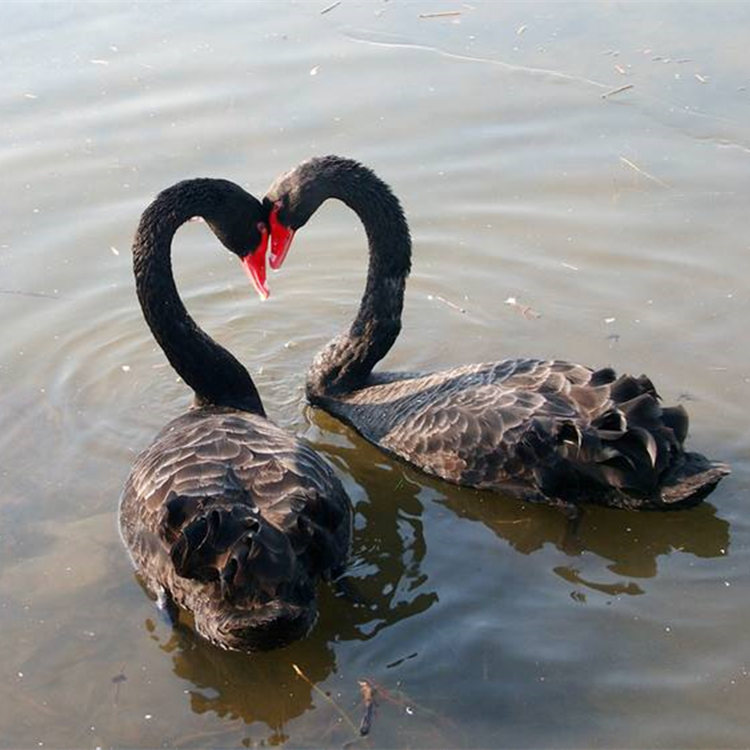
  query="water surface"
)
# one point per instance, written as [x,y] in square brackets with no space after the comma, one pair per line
[618,221]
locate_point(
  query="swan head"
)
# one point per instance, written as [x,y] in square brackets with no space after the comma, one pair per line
[295,196]
[239,221]
[261,628]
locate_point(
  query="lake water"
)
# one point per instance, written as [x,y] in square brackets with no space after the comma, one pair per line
[617,225]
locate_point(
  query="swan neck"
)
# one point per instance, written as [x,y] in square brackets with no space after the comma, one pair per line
[346,362]
[215,375]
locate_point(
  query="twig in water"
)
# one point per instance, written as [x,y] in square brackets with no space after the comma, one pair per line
[525,310]
[21,293]
[441,14]
[618,90]
[326,697]
[117,680]
[630,164]
[330,7]
[368,697]
[447,302]
[409,706]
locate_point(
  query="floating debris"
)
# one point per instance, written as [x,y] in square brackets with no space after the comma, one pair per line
[314,71]
[568,265]
[618,90]
[368,698]
[326,697]
[450,304]
[702,79]
[635,167]
[521,29]
[118,679]
[96,61]
[114,250]
[125,368]
[23,293]
[441,14]
[413,655]
[330,7]
[31,96]
[609,320]
[525,310]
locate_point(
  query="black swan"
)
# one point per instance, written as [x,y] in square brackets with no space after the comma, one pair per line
[225,514]
[546,430]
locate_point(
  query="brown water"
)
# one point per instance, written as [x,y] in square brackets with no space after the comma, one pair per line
[620,221]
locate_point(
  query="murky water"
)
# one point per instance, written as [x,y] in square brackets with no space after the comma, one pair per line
[618,221]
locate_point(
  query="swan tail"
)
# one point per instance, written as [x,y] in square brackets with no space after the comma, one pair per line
[692,480]
[225,540]
[634,453]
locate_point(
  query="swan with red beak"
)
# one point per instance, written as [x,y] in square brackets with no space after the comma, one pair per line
[547,430]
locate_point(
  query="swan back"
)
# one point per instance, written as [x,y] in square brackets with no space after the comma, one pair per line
[236,520]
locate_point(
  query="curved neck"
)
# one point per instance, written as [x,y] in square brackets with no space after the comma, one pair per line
[209,369]
[346,362]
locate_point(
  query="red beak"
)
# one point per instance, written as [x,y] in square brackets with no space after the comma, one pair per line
[255,264]
[281,240]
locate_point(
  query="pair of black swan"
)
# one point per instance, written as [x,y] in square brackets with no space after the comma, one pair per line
[231,518]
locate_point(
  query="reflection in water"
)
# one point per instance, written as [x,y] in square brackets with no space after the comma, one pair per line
[384,583]
[257,687]
[382,586]
[630,542]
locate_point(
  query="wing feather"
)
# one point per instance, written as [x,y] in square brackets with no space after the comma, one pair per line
[558,428]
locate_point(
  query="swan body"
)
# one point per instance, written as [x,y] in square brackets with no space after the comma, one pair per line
[225,514]
[548,431]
